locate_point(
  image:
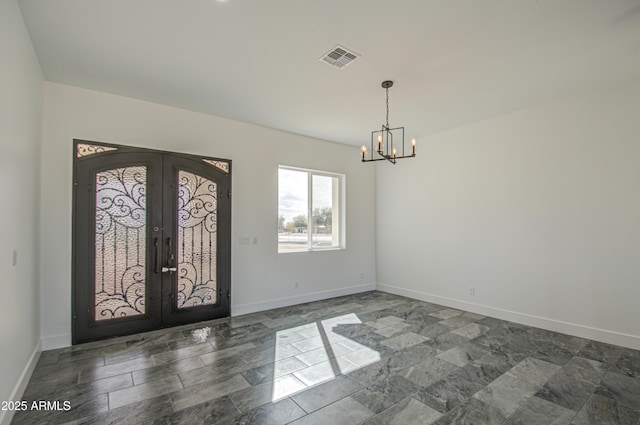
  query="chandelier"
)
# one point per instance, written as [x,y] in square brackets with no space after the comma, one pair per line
[386,147]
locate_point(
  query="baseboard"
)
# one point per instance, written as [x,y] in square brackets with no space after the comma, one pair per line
[64,340]
[56,341]
[602,335]
[7,415]
[238,310]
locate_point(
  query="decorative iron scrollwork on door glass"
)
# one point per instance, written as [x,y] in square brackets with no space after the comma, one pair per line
[120,243]
[221,165]
[197,240]
[86,150]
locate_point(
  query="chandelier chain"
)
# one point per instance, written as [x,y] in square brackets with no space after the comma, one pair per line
[387,89]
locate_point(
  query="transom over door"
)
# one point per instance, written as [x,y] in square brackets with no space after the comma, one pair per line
[151,240]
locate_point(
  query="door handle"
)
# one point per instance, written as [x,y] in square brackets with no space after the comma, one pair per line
[169,264]
[170,256]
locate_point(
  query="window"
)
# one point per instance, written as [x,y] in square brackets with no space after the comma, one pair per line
[310,210]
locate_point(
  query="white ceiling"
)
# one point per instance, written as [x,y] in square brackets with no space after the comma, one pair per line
[453,62]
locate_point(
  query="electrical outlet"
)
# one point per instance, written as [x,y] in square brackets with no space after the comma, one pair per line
[472,291]
[14,260]
[361,275]
[296,285]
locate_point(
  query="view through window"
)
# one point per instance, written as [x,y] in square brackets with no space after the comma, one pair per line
[310,210]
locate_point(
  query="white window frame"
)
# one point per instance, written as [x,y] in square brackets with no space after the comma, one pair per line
[341,216]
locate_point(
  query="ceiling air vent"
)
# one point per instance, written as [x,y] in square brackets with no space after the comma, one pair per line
[339,57]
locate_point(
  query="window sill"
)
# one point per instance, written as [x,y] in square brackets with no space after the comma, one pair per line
[312,250]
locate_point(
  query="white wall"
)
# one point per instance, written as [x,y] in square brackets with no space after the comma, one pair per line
[21,91]
[261,278]
[538,210]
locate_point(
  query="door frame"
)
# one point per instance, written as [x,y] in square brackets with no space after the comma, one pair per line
[81,223]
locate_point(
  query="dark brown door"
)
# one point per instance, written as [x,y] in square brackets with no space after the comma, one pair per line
[152,240]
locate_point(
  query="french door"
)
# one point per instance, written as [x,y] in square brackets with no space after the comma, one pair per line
[151,242]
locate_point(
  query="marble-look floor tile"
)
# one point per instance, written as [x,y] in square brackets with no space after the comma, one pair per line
[283,351]
[473,412]
[551,352]
[308,344]
[346,411]
[182,353]
[322,395]
[166,370]
[220,411]
[606,353]
[362,357]
[572,385]
[56,377]
[474,316]
[571,343]
[453,390]
[447,341]
[135,353]
[457,321]
[384,322]
[79,409]
[281,412]
[92,374]
[447,313]
[287,385]
[384,393]
[341,361]
[288,365]
[536,411]
[407,412]
[623,389]
[393,330]
[463,354]
[506,394]
[260,374]
[71,368]
[429,371]
[626,365]
[245,320]
[137,413]
[534,371]
[403,341]
[493,365]
[471,331]
[222,369]
[431,331]
[318,355]
[208,391]
[79,392]
[312,375]
[251,397]
[600,410]
[144,391]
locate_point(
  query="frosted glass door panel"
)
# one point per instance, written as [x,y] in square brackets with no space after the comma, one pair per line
[120,243]
[197,225]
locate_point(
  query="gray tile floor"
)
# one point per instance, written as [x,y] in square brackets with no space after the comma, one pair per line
[371,358]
